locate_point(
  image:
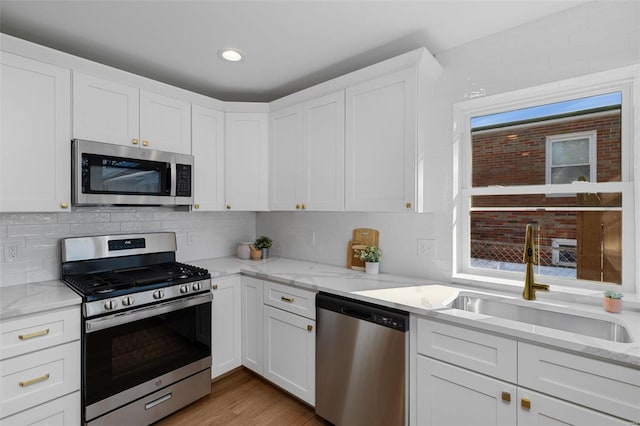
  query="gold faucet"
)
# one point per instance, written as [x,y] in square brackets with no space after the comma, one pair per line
[530,286]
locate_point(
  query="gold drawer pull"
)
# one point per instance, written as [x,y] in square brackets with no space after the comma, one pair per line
[34,381]
[64,205]
[145,143]
[506,396]
[134,141]
[287,299]
[309,327]
[525,403]
[34,334]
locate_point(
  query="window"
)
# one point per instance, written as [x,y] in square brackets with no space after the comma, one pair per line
[571,157]
[557,156]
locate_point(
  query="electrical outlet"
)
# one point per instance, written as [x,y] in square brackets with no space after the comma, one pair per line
[426,247]
[12,253]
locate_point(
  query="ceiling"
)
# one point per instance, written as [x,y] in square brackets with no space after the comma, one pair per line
[289,45]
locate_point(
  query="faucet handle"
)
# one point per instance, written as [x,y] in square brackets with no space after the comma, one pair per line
[529,249]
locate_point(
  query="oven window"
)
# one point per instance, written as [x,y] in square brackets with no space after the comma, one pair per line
[113,175]
[121,357]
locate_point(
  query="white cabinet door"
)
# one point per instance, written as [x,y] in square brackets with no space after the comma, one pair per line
[63,411]
[536,409]
[35,159]
[104,111]
[289,352]
[323,156]
[307,155]
[165,123]
[252,330]
[286,151]
[448,395]
[226,320]
[207,147]
[380,169]
[246,152]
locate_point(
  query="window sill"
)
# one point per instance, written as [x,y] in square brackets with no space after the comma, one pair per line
[556,292]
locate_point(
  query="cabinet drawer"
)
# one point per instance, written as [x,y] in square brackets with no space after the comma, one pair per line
[59,412]
[35,332]
[38,377]
[600,385]
[291,299]
[485,353]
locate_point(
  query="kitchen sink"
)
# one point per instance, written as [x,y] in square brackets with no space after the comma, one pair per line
[587,326]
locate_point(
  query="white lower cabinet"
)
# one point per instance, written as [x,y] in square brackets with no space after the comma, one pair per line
[449,395]
[289,352]
[546,410]
[63,411]
[40,369]
[551,387]
[226,325]
[252,330]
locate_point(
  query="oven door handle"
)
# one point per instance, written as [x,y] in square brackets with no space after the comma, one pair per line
[146,312]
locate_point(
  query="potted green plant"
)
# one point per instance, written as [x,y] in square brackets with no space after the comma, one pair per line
[264,243]
[612,301]
[371,256]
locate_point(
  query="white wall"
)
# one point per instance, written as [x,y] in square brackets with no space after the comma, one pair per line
[593,37]
[37,235]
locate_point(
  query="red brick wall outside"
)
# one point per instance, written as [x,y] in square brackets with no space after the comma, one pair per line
[516,156]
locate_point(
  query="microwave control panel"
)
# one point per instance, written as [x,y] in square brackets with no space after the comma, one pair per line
[183,180]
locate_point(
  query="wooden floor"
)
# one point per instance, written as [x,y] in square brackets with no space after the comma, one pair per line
[243,398]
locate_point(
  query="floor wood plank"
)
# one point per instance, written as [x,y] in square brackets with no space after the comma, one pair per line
[242,399]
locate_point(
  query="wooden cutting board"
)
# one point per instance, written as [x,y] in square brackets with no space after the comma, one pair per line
[362,237]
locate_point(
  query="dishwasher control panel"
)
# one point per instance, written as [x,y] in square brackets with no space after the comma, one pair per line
[393,322]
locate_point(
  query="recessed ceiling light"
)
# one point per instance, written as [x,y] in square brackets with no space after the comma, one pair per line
[231,55]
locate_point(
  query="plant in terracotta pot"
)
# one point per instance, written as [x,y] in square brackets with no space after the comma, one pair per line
[612,301]
[371,256]
[264,243]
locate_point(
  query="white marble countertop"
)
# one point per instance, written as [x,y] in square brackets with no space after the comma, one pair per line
[418,296]
[433,299]
[28,299]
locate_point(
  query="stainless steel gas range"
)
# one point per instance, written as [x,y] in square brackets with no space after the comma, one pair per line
[146,340]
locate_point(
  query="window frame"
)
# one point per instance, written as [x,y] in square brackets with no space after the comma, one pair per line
[625,80]
[591,135]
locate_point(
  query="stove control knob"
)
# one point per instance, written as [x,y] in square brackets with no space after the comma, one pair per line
[127,301]
[110,305]
[184,289]
[158,294]
[196,286]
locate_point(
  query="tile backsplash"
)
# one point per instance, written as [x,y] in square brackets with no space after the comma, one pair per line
[30,242]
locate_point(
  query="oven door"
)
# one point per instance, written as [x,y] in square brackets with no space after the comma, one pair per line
[131,354]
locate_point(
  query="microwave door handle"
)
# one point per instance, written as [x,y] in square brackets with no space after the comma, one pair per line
[173,175]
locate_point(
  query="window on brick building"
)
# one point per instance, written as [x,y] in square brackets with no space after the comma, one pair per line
[559,157]
[571,157]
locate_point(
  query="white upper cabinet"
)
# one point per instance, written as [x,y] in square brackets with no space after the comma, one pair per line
[286,149]
[381,141]
[165,123]
[307,155]
[35,153]
[207,147]
[246,153]
[105,111]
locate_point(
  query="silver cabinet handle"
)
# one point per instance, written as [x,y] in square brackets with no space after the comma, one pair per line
[160,400]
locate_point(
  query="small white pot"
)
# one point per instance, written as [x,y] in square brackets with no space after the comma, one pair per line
[371,267]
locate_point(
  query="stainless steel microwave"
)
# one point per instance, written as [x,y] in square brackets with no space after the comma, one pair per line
[108,174]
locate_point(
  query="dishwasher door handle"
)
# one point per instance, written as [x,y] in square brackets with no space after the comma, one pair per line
[363,315]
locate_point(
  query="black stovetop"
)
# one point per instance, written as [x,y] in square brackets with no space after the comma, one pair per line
[96,285]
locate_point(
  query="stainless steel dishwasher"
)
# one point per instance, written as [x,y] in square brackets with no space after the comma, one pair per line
[361,361]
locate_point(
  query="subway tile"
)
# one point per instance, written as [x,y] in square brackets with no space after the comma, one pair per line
[84,217]
[27,218]
[131,216]
[140,226]
[94,228]
[50,229]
